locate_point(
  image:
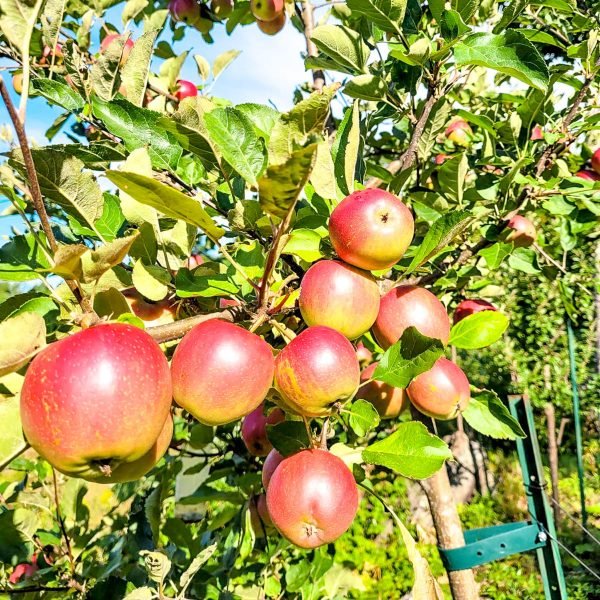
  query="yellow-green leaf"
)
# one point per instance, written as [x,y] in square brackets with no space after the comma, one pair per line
[22,338]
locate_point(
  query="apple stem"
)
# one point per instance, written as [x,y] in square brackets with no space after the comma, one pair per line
[311,439]
[324,433]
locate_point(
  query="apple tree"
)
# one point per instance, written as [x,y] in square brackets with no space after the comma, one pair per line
[223,323]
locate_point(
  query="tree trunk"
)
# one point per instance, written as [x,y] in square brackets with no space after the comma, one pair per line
[553,459]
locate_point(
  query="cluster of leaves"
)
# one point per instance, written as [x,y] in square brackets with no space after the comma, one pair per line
[147,180]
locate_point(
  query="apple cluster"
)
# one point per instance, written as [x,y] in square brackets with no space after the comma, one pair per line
[269,15]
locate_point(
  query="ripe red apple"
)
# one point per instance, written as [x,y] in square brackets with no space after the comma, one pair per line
[186,11]
[315,370]
[272,461]
[470,307]
[596,161]
[110,38]
[522,231]
[228,303]
[312,498]
[254,429]
[266,10]
[364,355]
[410,306]
[17,81]
[442,392]
[339,296]
[389,401]
[195,260]
[459,132]
[588,175]
[371,229]
[440,159]
[138,468]
[537,133]
[96,400]
[185,89]
[221,372]
[22,571]
[274,26]
[221,8]
[47,53]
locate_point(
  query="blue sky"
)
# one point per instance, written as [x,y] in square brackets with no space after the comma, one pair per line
[267,71]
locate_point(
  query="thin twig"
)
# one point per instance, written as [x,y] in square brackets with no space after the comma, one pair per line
[12,457]
[61,523]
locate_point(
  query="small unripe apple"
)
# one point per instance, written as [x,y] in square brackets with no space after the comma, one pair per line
[221,8]
[312,498]
[470,307]
[410,306]
[588,175]
[185,89]
[272,461]
[254,429]
[221,372]
[17,81]
[537,133]
[442,392]
[339,296]
[315,370]
[364,355]
[137,469]
[110,38]
[96,400]
[371,229]
[522,231]
[459,132]
[152,313]
[388,400]
[596,161]
[266,10]
[274,26]
[186,11]
[204,26]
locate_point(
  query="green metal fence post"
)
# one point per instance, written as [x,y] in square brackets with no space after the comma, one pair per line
[576,418]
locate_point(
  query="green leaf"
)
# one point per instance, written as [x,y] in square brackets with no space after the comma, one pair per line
[510,53]
[167,200]
[23,336]
[205,283]
[202,558]
[262,117]
[440,234]
[452,25]
[104,74]
[281,185]
[111,220]
[408,357]
[59,93]
[223,61]
[487,414]
[22,258]
[288,437]
[135,72]
[203,66]
[495,254]
[17,20]
[478,330]
[322,176]
[366,87]
[524,259]
[138,128]
[11,432]
[151,281]
[233,134]
[305,244]
[346,149]
[35,302]
[386,14]
[452,175]
[52,18]
[343,45]
[435,124]
[410,451]
[132,9]
[509,14]
[362,416]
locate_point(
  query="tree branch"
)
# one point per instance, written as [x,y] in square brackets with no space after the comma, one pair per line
[36,192]
[311,49]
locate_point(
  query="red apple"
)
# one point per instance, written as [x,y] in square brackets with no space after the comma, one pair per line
[254,429]
[339,296]
[22,571]
[266,10]
[221,372]
[523,232]
[185,89]
[221,8]
[259,516]
[312,498]
[459,132]
[110,38]
[96,400]
[138,468]
[274,26]
[596,161]
[389,401]
[588,175]
[537,133]
[271,463]
[186,11]
[371,229]
[315,370]
[442,392]
[410,306]
[470,307]
[440,159]
[228,303]
[195,260]
[364,355]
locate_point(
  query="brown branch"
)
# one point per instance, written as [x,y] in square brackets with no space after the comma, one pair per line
[36,192]
[311,49]
[61,523]
[160,92]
